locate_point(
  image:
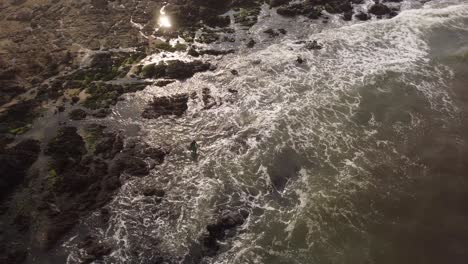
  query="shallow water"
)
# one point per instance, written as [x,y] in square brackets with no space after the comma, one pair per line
[358,155]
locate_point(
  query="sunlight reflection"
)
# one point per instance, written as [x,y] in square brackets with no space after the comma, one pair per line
[164,20]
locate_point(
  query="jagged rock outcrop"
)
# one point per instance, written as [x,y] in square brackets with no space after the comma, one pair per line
[174,69]
[167,105]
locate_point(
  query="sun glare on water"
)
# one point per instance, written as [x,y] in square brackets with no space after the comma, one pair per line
[164,20]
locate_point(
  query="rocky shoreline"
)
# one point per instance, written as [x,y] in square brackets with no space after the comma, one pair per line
[79,58]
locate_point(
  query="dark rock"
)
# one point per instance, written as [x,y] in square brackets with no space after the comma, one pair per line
[276,3]
[305,9]
[153,70]
[312,8]
[18,117]
[312,45]
[105,214]
[270,32]
[218,21]
[285,167]
[75,99]
[194,53]
[103,95]
[299,60]
[174,69]
[60,108]
[101,113]
[208,244]
[379,9]
[94,249]
[291,10]
[247,16]
[79,183]
[8,74]
[208,100]
[216,52]
[14,164]
[167,105]
[58,226]
[250,43]
[108,145]
[131,165]
[362,16]
[234,72]
[392,13]
[66,149]
[101,60]
[233,91]
[336,7]
[9,89]
[4,141]
[156,154]
[231,220]
[186,14]
[162,83]
[77,114]
[181,70]
[12,253]
[348,16]
[153,192]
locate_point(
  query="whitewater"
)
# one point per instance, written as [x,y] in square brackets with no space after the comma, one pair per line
[325,155]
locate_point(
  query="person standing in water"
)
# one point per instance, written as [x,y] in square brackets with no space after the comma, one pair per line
[194,149]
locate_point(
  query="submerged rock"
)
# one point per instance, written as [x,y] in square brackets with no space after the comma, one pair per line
[208,244]
[167,105]
[154,192]
[95,250]
[285,166]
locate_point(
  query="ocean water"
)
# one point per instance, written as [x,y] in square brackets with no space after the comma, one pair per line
[357,155]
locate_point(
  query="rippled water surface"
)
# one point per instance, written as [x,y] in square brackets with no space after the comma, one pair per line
[357,155]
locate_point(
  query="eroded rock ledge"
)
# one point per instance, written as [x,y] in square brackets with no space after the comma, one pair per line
[166,105]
